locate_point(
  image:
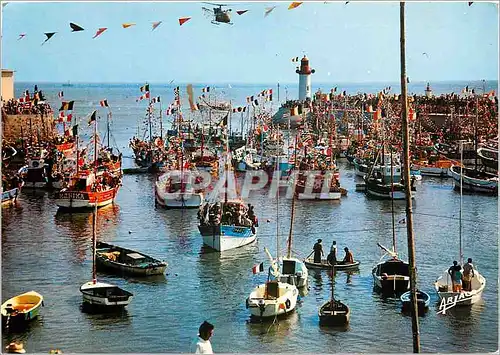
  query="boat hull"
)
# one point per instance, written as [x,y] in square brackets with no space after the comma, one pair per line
[423,301]
[444,287]
[104,295]
[22,308]
[222,238]
[392,276]
[338,316]
[266,307]
[478,183]
[326,266]
[182,200]
[75,200]
[10,196]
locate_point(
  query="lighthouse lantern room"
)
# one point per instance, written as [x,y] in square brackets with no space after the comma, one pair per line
[304,79]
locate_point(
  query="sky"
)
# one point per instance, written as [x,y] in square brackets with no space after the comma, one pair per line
[354,42]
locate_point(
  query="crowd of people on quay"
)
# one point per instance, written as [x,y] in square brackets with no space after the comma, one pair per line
[30,103]
[230,213]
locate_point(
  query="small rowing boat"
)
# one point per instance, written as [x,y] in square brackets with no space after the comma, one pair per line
[126,261]
[423,301]
[22,308]
[310,264]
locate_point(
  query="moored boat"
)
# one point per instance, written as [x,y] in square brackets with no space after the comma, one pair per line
[272,299]
[334,312]
[475,181]
[104,295]
[10,196]
[423,301]
[126,261]
[326,265]
[489,157]
[22,308]
[174,189]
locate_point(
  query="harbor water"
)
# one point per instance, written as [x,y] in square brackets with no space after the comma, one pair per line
[50,252]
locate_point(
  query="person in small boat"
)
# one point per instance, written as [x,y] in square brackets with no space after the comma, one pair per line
[348,258]
[456,276]
[332,257]
[318,251]
[15,348]
[467,275]
[205,332]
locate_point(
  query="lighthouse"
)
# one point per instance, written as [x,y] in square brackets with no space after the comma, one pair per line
[304,79]
[428,91]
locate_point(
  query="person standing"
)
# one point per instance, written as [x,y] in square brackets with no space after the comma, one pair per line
[467,276]
[456,276]
[332,257]
[205,332]
[318,251]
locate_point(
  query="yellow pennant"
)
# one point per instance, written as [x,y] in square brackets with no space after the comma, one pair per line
[127,25]
[294,5]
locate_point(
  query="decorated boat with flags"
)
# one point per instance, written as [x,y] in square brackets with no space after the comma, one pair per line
[175,189]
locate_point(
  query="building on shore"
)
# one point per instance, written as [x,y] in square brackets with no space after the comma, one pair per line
[7,84]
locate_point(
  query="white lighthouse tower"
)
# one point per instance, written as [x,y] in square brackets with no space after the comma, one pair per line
[304,79]
[428,91]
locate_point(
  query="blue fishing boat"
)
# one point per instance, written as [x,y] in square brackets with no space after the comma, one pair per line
[423,301]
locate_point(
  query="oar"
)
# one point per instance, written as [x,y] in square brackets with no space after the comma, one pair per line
[307,257]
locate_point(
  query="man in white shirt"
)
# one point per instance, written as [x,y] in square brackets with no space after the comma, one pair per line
[203,346]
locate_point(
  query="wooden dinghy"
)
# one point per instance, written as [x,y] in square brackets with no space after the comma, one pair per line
[22,308]
[334,312]
[326,265]
[126,261]
[423,301]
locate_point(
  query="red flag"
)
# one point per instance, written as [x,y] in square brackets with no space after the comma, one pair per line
[99,31]
[258,268]
[183,20]
[241,12]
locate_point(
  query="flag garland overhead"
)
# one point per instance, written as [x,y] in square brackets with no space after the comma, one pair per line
[183,20]
[127,25]
[75,27]
[21,36]
[156,24]
[99,32]
[241,12]
[49,36]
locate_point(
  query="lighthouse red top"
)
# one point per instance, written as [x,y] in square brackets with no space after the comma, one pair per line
[304,67]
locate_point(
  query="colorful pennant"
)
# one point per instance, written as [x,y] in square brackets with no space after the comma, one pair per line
[103,103]
[183,20]
[294,5]
[268,10]
[49,36]
[156,24]
[100,31]
[75,27]
[127,25]
[241,12]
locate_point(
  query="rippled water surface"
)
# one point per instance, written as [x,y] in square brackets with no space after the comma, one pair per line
[49,252]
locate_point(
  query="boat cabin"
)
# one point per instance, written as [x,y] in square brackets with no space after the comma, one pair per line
[272,290]
[393,267]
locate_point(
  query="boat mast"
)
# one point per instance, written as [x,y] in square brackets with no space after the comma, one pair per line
[161,128]
[409,212]
[149,119]
[461,257]
[94,215]
[289,254]
[475,132]
[392,210]
[277,203]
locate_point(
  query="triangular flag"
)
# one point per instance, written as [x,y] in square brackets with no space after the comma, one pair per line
[127,25]
[294,5]
[258,268]
[75,27]
[241,12]
[92,117]
[156,24]
[268,10]
[347,2]
[183,20]
[21,36]
[471,2]
[99,31]
[49,36]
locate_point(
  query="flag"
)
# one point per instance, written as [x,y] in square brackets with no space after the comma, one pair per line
[207,89]
[156,24]
[92,117]
[155,100]
[21,36]
[258,268]
[294,5]
[471,2]
[241,12]
[127,25]
[192,105]
[66,105]
[49,36]
[407,79]
[223,122]
[75,130]
[183,20]
[60,94]
[268,10]
[104,103]
[256,102]
[296,59]
[75,27]
[142,97]
[145,88]
[99,31]
[402,221]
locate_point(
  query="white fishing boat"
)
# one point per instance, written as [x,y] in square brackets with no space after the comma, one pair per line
[444,285]
[272,298]
[174,189]
[474,181]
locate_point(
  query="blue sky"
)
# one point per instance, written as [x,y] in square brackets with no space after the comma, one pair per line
[357,42]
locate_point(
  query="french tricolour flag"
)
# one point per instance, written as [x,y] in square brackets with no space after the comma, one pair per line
[258,268]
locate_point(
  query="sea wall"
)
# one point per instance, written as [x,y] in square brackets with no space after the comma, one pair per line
[30,127]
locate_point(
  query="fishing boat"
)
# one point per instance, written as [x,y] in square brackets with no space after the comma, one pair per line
[361,167]
[437,168]
[444,285]
[423,301]
[273,298]
[36,170]
[101,295]
[316,190]
[474,180]
[392,275]
[126,261]
[334,312]
[325,265]
[89,188]
[21,309]
[174,189]
[489,157]
[10,196]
